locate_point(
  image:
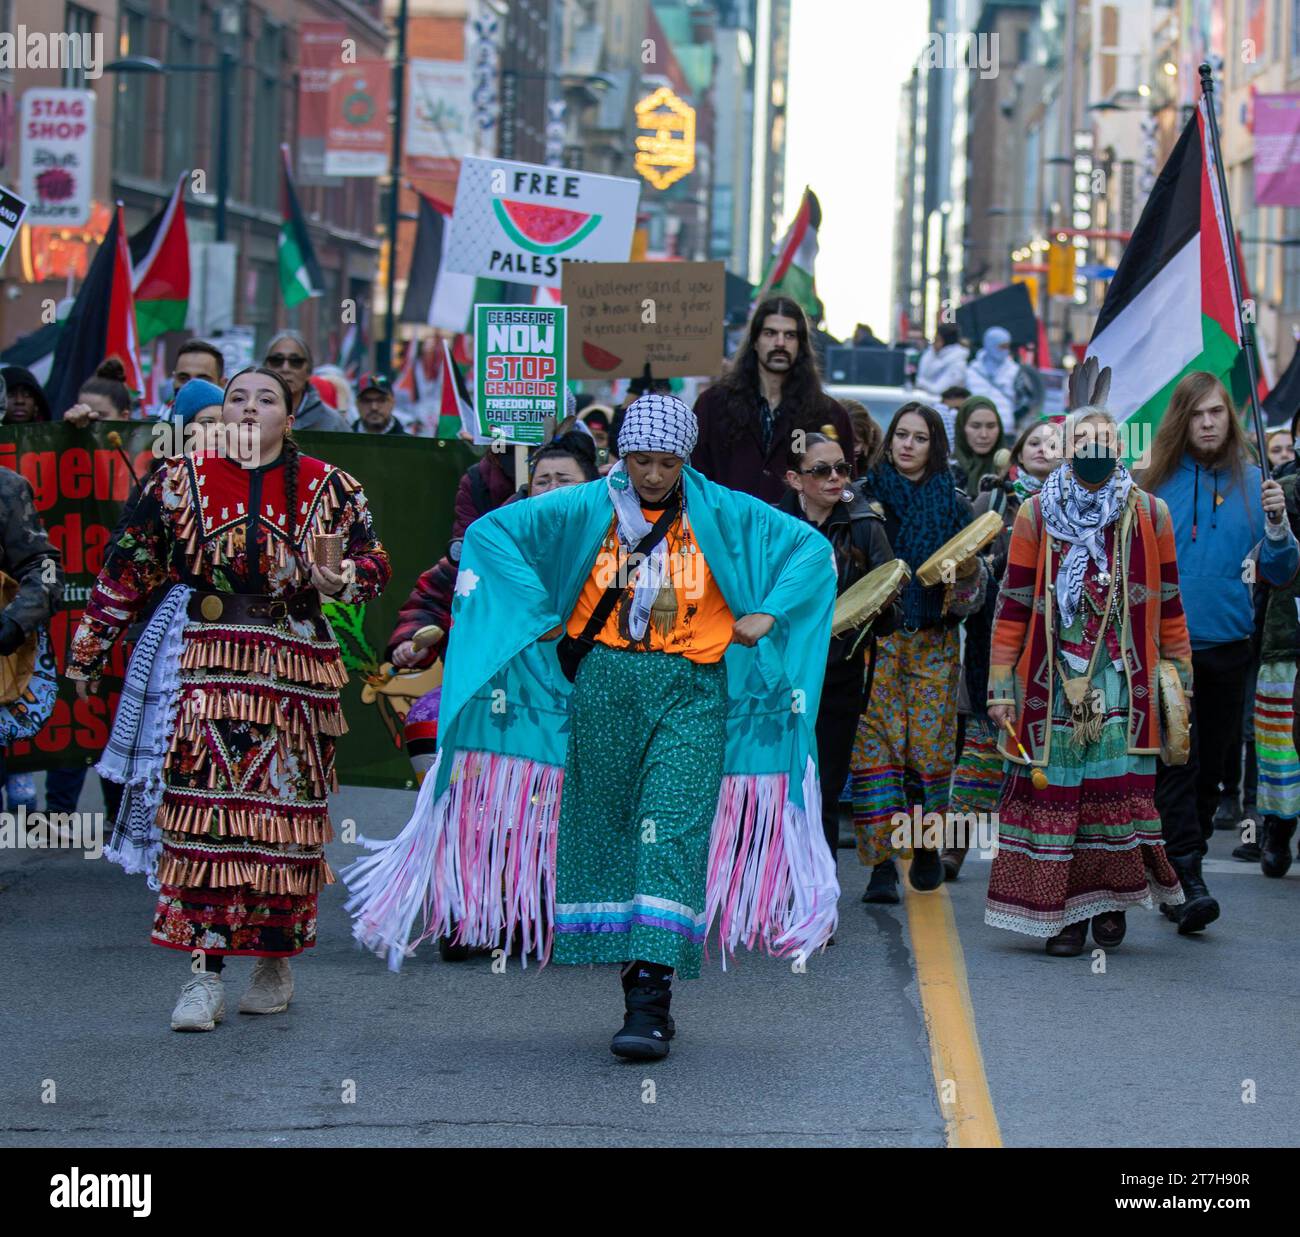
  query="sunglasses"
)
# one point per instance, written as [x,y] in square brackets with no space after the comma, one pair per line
[822,471]
[278,359]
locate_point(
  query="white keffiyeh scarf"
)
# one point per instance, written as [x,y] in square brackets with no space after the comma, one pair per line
[632,527]
[1079,518]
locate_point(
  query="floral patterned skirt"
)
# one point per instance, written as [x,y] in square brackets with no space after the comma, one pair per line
[1088,843]
[245,816]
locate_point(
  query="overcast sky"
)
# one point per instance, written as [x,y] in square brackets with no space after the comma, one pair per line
[848,60]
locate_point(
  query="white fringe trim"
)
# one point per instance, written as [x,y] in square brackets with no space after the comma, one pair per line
[480,862]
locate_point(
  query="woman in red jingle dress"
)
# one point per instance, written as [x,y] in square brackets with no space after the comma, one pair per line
[244,815]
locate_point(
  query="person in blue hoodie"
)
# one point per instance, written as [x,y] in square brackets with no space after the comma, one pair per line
[1229,527]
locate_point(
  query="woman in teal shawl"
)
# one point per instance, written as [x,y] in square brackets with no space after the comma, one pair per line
[673,786]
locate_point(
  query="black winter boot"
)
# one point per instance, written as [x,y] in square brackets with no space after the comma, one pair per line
[883,885]
[647,1025]
[1199,910]
[1275,850]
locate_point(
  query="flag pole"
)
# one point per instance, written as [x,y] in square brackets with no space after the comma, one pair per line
[1245,326]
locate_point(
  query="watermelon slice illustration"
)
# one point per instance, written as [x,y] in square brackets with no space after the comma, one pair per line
[543,229]
[598,358]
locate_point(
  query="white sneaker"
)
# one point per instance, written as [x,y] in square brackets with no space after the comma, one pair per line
[202,1004]
[270,989]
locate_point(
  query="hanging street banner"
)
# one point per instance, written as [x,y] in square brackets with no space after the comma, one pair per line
[519,221]
[1277,150]
[320,49]
[357,141]
[438,131]
[627,315]
[79,483]
[57,155]
[12,210]
[519,370]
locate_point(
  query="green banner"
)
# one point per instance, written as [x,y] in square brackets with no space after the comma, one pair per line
[80,482]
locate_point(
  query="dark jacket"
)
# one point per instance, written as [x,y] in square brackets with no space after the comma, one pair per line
[484,487]
[394,426]
[740,464]
[856,531]
[25,551]
[1281,636]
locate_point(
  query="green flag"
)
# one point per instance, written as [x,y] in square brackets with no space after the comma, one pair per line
[300,275]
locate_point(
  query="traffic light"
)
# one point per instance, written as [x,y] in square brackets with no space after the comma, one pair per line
[1060,269]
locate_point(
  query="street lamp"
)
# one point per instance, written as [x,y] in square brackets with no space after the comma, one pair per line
[225,69]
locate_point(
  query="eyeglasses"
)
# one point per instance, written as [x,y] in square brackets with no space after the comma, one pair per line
[822,471]
[278,359]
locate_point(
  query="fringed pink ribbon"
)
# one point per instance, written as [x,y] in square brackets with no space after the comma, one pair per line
[479,864]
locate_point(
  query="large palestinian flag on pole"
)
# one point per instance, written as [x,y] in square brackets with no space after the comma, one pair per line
[1171,307]
[300,276]
[160,260]
[794,260]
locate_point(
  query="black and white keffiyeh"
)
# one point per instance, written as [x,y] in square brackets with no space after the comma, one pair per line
[141,735]
[1079,517]
[658,423]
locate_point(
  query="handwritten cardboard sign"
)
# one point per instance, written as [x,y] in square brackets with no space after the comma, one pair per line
[623,315]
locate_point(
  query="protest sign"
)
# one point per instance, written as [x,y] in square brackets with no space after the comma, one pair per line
[518,221]
[626,315]
[519,370]
[12,210]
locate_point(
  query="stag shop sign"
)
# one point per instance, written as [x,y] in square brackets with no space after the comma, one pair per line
[519,221]
[57,165]
[519,362]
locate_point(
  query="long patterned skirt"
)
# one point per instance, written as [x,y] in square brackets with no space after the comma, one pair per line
[908,731]
[1279,766]
[1090,842]
[641,781]
[245,817]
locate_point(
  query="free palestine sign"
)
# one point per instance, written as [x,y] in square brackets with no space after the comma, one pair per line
[519,221]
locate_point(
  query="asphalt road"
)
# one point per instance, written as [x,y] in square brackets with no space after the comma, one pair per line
[1157,1050]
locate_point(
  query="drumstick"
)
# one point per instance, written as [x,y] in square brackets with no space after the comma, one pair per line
[421,641]
[1038,777]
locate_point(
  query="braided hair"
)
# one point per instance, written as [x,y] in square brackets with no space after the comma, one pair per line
[289,449]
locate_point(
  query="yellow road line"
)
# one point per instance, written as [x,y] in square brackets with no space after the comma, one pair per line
[955,1056]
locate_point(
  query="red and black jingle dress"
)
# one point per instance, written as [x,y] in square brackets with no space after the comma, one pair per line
[244,814]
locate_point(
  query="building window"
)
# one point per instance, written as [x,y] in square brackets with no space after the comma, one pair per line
[129,108]
[179,133]
[265,187]
[80,26]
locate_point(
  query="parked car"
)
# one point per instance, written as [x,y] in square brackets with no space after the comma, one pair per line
[881,402]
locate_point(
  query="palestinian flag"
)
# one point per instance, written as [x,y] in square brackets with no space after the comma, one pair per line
[405,380]
[160,258]
[436,296]
[1171,308]
[300,276]
[100,325]
[794,259]
[457,407]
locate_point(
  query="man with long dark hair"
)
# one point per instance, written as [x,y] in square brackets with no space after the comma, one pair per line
[749,417]
[1201,466]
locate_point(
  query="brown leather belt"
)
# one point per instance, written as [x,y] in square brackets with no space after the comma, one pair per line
[245,608]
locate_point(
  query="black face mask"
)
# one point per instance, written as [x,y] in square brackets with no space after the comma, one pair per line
[1095,469]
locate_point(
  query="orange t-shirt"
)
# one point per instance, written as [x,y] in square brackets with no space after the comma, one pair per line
[701,629]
